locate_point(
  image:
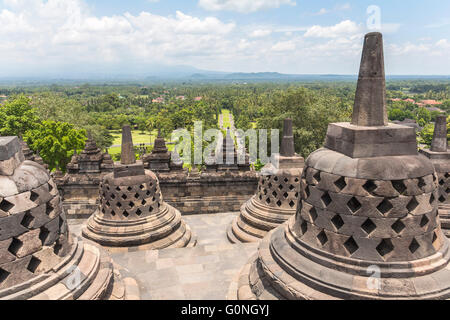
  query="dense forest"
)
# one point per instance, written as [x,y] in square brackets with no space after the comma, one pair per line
[55,120]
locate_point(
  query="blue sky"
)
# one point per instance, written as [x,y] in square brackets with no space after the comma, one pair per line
[291,36]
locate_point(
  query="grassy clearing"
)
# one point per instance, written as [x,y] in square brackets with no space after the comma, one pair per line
[138,137]
[226,118]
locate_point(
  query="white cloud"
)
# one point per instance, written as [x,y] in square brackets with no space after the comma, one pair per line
[242,6]
[64,35]
[283,46]
[343,28]
[260,33]
[321,12]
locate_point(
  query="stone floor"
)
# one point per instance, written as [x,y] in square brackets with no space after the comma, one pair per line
[204,272]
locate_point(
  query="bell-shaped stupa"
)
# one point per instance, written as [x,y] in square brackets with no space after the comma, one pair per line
[132,211]
[440,157]
[277,195]
[367,224]
[39,258]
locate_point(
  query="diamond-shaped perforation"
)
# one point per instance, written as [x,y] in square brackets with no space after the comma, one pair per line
[322,237]
[113,196]
[316,176]
[385,247]
[424,221]
[143,202]
[43,234]
[384,207]
[124,196]
[398,226]
[27,219]
[304,227]
[6,205]
[353,204]
[432,198]
[291,203]
[313,214]
[399,186]
[138,212]
[131,204]
[441,182]
[136,195]
[274,194]
[337,222]
[307,191]
[441,199]
[279,203]
[370,186]
[291,187]
[268,201]
[351,246]
[33,264]
[286,195]
[368,226]
[34,196]
[433,240]
[280,187]
[412,205]
[421,183]
[125,214]
[15,246]
[413,246]
[49,209]
[119,205]
[340,183]
[3,275]
[326,199]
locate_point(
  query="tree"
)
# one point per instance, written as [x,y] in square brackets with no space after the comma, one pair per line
[17,117]
[56,142]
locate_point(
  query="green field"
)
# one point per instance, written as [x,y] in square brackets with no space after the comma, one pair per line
[138,137]
[226,118]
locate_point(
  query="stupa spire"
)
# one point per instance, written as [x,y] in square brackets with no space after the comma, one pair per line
[287,143]
[439,142]
[128,156]
[370,100]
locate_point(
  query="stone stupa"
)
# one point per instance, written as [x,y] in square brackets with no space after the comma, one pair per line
[367,224]
[132,211]
[440,157]
[39,258]
[277,195]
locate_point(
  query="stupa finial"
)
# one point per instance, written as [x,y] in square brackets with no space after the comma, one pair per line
[287,143]
[370,99]
[127,156]
[439,142]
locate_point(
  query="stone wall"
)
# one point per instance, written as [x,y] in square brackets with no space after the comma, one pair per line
[191,194]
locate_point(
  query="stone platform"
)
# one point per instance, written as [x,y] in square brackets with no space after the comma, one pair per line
[204,272]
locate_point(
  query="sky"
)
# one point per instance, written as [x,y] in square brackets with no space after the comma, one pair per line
[59,37]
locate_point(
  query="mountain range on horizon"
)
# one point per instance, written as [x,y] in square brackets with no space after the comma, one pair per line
[159,73]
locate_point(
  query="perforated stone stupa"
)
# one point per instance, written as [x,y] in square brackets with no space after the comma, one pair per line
[132,211]
[277,195]
[79,186]
[39,258]
[440,157]
[367,224]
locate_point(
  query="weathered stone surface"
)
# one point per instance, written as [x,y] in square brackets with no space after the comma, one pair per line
[370,98]
[132,212]
[359,213]
[127,156]
[439,142]
[276,198]
[35,244]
